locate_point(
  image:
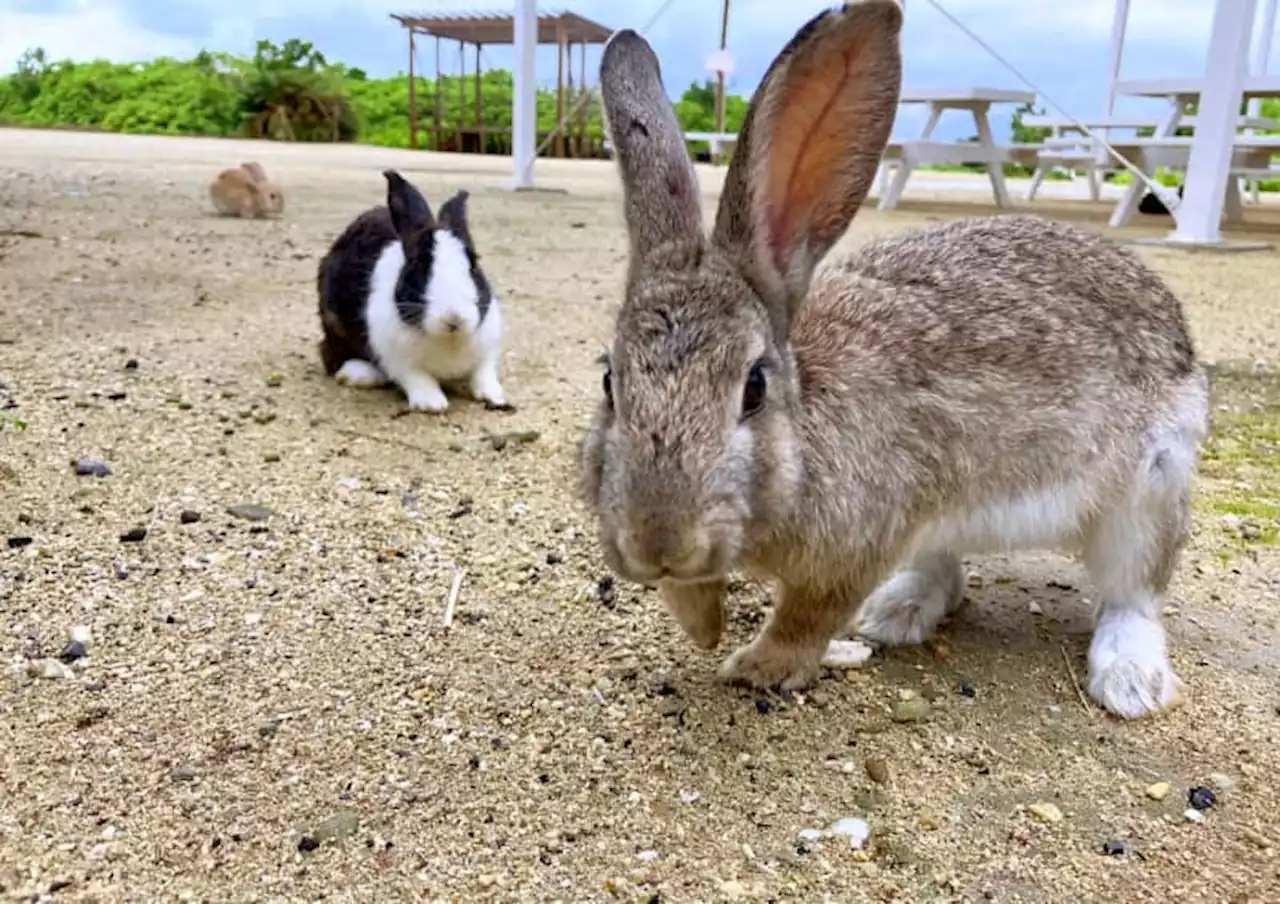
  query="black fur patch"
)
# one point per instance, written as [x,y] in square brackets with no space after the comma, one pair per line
[411,287]
[342,283]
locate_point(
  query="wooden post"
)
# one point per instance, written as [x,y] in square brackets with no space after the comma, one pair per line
[570,128]
[584,130]
[559,89]
[479,104]
[724,42]
[413,101]
[462,90]
[439,124]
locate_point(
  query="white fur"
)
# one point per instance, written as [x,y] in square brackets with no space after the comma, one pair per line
[361,374]
[419,359]
[1119,535]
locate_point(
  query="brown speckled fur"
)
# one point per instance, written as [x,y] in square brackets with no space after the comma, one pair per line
[947,370]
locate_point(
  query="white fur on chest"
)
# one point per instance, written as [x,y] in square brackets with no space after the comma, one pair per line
[450,297]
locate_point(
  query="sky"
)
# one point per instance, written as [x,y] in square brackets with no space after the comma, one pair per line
[1061,47]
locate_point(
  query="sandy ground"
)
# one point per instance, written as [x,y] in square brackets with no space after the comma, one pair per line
[253,687]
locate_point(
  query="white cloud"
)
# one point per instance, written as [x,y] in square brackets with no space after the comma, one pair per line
[96,32]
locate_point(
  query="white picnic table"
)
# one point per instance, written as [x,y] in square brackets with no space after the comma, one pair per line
[1078,151]
[905,156]
[1180,93]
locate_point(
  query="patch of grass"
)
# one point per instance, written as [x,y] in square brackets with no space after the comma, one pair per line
[1238,498]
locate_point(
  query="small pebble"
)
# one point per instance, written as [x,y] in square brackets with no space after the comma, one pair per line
[913,710]
[337,827]
[877,770]
[1048,813]
[131,364]
[966,690]
[810,834]
[188,516]
[250,511]
[647,856]
[1257,839]
[91,467]
[1192,815]
[1114,848]
[846,654]
[1220,781]
[18,542]
[51,669]
[1034,608]
[73,651]
[853,828]
[134,535]
[179,774]
[1159,790]
[1201,798]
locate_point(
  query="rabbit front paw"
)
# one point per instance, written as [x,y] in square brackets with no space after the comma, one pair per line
[768,665]
[426,395]
[362,374]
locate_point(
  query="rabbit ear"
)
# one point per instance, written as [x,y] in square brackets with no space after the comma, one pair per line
[255,170]
[409,211]
[453,216]
[660,189]
[809,148]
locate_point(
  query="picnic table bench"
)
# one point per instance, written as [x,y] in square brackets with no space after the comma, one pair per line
[902,158]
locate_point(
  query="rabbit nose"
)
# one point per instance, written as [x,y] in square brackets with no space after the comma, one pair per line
[452,323]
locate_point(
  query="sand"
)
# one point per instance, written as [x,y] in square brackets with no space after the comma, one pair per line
[253,689]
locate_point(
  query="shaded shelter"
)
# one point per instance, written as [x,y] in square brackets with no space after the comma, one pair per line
[567,31]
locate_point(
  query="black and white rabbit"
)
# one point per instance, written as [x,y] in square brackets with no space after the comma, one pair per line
[403,300]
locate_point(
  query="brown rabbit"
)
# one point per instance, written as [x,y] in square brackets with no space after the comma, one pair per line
[245,191]
[991,384]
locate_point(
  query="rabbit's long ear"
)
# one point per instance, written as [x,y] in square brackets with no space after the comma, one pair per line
[453,216]
[809,148]
[660,189]
[410,212]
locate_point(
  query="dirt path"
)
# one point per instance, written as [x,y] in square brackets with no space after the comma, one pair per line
[251,685]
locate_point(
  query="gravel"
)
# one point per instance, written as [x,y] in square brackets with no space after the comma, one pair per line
[298,666]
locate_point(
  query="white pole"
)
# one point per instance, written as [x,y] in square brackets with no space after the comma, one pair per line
[524,112]
[1116,53]
[1209,167]
[1262,55]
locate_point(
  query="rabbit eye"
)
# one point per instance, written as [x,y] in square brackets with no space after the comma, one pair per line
[755,390]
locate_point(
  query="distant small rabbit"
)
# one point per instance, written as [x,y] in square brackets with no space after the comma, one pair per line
[403,300]
[850,431]
[245,191]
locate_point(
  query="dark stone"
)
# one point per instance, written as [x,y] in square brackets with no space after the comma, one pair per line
[73,651]
[134,535]
[91,467]
[19,542]
[1201,798]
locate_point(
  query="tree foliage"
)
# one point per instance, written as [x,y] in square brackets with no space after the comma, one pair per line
[287,91]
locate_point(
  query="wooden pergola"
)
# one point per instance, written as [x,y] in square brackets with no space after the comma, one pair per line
[565,30]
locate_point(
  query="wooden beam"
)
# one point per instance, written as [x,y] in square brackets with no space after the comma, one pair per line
[479,103]
[413,104]
[724,42]
[439,123]
[559,92]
